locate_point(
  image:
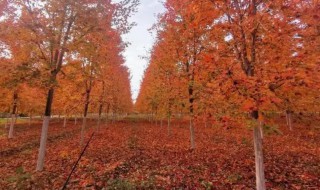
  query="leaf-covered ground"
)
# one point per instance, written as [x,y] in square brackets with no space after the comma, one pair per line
[141,155]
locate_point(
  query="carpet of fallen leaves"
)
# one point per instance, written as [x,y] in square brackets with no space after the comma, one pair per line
[140,155]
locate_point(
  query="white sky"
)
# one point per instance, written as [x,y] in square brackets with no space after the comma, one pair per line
[141,40]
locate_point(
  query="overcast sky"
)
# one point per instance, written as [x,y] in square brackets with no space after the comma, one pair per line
[141,40]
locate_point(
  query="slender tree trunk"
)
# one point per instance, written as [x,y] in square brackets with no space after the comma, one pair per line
[64,121]
[7,122]
[193,146]
[59,118]
[260,178]
[100,113]
[75,119]
[43,142]
[290,120]
[99,121]
[13,115]
[113,117]
[10,136]
[169,130]
[16,118]
[190,72]
[261,129]
[84,123]
[44,131]
[107,113]
[85,113]
[30,119]
[287,118]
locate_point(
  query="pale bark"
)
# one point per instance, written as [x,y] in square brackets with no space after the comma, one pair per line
[260,178]
[100,114]
[13,115]
[64,121]
[10,136]
[30,119]
[43,142]
[261,129]
[193,146]
[44,131]
[290,121]
[75,120]
[16,118]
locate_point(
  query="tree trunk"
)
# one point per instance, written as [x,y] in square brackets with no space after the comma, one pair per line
[85,113]
[113,117]
[59,118]
[43,142]
[290,120]
[44,132]
[100,113]
[84,123]
[7,122]
[13,115]
[193,146]
[10,136]
[169,130]
[99,121]
[260,179]
[75,120]
[261,129]
[30,119]
[191,101]
[64,121]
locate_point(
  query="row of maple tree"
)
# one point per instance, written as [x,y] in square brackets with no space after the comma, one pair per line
[233,56]
[63,57]
[92,70]
[220,60]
